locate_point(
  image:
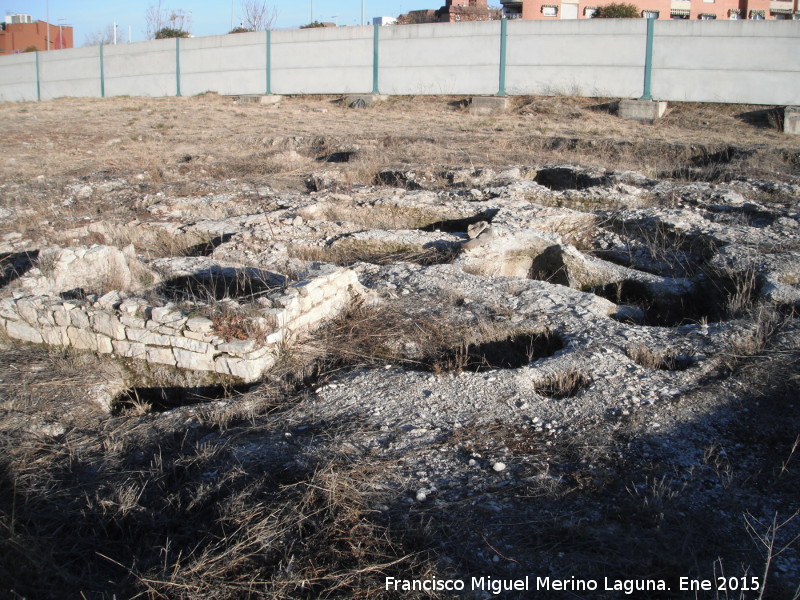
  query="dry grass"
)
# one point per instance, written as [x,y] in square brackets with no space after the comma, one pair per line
[563,384]
[349,252]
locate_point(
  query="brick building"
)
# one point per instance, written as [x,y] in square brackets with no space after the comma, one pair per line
[454,11]
[20,32]
[658,9]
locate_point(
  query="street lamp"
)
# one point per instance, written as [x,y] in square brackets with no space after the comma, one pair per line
[61,33]
[362,12]
[47,18]
[312,11]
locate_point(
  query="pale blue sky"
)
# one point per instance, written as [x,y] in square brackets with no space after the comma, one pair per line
[209,17]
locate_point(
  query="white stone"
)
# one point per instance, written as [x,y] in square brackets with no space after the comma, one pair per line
[499,466]
[147,337]
[79,319]
[108,325]
[129,349]
[132,321]
[24,332]
[238,347]
[191,345]
[200,324]
[82,339]
[193,360]
[162,356]
[55,336]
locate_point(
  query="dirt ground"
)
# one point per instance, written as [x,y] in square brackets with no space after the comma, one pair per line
[261,492]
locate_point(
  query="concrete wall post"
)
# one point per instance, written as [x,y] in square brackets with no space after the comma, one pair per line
[38,81]
[648,60]
[269,63]
[102,74]
[375,55]
[178,66]
[503,47]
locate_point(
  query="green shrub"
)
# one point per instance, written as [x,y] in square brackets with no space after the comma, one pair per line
[617,10]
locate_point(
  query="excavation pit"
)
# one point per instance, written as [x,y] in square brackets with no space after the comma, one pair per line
[238,284]
[561,178]
[460,225]
[163,399]
[513,352]
[565,384]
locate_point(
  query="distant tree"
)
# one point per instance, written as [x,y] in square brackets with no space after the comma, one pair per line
[617,10]
[257,15]
[166,33]
[31,49]
[312,25]
[240,29]
[104,36]
[158,19]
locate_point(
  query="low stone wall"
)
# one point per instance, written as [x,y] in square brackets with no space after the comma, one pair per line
[130,327]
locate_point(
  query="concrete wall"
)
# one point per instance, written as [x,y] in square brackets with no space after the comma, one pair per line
[18,77]
[711,61]
[227,64]
[69,73]
[141,69]
[322,60]
[440,58]
[576,58]
[746,61]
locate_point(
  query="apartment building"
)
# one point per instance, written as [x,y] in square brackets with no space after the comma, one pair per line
[656,9]
[20,33]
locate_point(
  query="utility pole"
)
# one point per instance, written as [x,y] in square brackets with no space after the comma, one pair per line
[312,11]
[362,12]
[115,33]
[61,33]
[233,12]
[47,18]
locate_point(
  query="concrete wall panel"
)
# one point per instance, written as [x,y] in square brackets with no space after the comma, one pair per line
[18,77]
[227,64]
[440,59]
[586,58]
[322,60]
[140,69]
[72,72]
[727,61]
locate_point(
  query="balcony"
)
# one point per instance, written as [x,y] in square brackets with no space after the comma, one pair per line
[680,5]
[513,3]
[781,6]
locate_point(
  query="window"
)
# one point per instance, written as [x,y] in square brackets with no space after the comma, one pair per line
[678,13]
[757,15]
[548,10]
[589,11]
[706,16]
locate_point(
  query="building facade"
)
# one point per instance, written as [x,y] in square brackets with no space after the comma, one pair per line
[656,9]
[20,33]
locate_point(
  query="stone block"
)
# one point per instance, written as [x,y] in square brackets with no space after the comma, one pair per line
[363,100]
[26,308]
[82,339]
[104,345]
[201,337]
[55,336]
[110,300]
[79,319]
[791,120]
[165,315]
[61,316]
[129,321]
[8,309]
[45,317]
[277,337]
[647,111]
[237,347]
[194,361]
[147,337]
[191,345]
[109,325]
[200,324]
[24,332]
[129,349]
[249,370]
[162,356]
[484,106]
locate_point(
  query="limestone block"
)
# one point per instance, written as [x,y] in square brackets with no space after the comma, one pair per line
[55,336]
[280,317]
[202,337]
[249,370]
[130,306]
[193,360]
[23,331]
[161,356]
[45,317]
[166,314]
[147,337]
[285,300]
[191,345]
[82,339]
[79,319]
[110,300]
[8,309]
[257,353]
[108,325]
[104,345]
[26,308]
[237,347]
[200,324]
[129,349]
[277,337]
[152,325]
[132,321]
[61,316]
[167,330]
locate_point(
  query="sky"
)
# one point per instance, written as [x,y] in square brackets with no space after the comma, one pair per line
[209,17]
